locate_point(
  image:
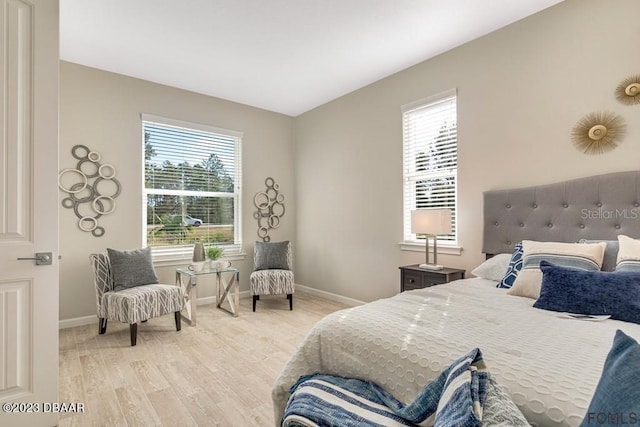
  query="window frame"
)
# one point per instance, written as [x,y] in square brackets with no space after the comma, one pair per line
[185,252]
[410,176]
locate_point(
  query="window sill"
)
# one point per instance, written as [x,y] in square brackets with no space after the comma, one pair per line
[175,260]
[442,248]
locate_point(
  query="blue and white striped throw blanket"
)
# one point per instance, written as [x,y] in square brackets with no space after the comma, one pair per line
[455,398]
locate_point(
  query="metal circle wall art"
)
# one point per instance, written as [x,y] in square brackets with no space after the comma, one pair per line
[598,132]
[628,91]
[85,196]
[270,205]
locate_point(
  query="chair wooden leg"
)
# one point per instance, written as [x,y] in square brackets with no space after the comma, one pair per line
[102,326]
[178,321]
[255,298]
[133,328]
[290,298]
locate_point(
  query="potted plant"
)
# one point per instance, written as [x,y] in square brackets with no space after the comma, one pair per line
[214,253]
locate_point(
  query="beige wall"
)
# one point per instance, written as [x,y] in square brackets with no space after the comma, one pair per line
[520,91]
[102,110]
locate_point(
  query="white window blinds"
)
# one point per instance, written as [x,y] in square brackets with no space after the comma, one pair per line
[192,177]
[430,145]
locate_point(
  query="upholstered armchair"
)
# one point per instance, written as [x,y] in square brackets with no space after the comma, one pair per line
[273,275]
[127,290]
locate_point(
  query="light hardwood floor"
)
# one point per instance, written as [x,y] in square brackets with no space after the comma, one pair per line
[218,373]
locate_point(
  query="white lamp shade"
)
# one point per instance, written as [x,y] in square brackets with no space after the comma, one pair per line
[431,221]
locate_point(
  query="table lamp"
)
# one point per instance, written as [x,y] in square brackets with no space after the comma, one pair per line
[431,223]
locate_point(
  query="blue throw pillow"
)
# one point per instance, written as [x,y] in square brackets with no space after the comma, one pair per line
[617,394]
[515,265]
[572,290]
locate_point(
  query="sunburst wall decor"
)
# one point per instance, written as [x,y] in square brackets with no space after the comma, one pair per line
[598,132]
[628,91]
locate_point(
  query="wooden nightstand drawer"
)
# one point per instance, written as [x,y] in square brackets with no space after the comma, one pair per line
[414,277]
[411,281]
[432,280]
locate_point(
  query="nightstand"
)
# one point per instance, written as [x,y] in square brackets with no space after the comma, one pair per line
[414,277]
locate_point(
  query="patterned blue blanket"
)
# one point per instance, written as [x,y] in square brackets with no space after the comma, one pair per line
[455,398]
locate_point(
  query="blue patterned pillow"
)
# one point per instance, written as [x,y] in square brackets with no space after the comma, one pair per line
[572,290]
[515,265]
[617,392]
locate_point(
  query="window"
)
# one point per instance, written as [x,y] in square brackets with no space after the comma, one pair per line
[192,183]
[430,141]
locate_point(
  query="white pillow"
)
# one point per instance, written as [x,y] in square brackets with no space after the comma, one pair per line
[494,268]
[628,254]
[585,256]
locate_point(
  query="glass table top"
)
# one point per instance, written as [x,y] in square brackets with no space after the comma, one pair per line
[206,270]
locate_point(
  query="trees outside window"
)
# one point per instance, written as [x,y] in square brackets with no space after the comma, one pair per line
[430,147]
[191,184]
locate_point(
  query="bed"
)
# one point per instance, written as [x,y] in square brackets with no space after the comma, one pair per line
[549,365]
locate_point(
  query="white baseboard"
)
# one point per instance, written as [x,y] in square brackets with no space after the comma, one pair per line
[89,320]
[206,301]
[328,295]
[77,321]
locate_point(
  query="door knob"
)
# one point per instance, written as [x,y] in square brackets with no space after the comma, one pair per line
[41,258]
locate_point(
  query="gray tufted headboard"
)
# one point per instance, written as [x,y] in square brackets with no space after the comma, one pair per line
[597,207]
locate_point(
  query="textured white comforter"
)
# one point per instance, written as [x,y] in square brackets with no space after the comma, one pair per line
[549,365]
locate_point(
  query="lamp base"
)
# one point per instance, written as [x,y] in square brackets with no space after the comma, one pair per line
[431,266]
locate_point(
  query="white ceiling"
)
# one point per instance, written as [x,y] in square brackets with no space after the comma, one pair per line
[287,56]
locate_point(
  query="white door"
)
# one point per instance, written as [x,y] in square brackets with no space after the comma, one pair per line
[28,211]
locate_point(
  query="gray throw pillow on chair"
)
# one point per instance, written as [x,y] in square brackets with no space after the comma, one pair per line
[271,255]
[131,268]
